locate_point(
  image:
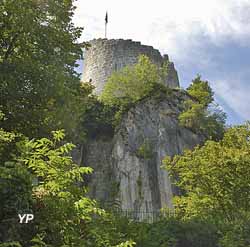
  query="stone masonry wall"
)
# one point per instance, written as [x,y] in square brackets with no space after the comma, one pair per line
[105,56]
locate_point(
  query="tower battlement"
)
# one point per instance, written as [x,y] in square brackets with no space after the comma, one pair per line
[105,56]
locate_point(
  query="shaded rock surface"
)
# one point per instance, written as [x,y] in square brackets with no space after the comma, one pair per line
[127,167]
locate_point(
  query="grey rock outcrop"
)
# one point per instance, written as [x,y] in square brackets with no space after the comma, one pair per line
[127,167]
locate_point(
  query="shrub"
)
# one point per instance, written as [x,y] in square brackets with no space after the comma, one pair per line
[132,83]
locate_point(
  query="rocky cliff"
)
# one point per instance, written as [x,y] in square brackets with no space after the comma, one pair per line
[127,166]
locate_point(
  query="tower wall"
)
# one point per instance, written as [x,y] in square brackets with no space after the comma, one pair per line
[105,56]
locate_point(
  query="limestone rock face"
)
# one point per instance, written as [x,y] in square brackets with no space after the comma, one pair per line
[128,166]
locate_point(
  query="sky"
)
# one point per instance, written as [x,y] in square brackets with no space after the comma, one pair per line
[206,37]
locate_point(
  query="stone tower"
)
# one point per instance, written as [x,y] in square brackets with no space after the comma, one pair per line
[105,56]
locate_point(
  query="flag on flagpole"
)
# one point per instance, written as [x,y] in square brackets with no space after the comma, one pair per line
[106,18]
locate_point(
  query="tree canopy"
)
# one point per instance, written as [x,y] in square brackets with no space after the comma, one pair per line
[132,83]
[215,177]
[40,90]
[201,114]
[215,184]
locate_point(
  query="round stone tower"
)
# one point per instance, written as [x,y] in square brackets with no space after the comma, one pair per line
[105,56]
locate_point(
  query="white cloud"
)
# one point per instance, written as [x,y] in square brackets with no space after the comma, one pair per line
[236,95]
[181,29]
[166,24]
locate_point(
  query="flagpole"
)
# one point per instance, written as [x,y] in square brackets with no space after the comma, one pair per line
[105,30]
[106,24]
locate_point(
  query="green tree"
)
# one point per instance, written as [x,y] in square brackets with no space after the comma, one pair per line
[201,91]
[215,178]
[132,83]
[15,186]
[60,206]
[200,113]
[42,179]
[39,88]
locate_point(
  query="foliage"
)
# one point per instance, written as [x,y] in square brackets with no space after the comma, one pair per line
[215,177]
[200,113]
[44,180]
[15,185]
[237,232]
[10,244]
[126,244]
[109,230]
[176,233]
[132,83]
[201,91]
[40,90]
[167,232]
[98,119]
[61,208]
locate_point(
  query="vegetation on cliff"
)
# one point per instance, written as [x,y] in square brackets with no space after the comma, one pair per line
[41,92]
[201,114]
[132,83]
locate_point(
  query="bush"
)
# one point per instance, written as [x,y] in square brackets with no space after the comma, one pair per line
[132,83]
[201,114]
[169,232]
